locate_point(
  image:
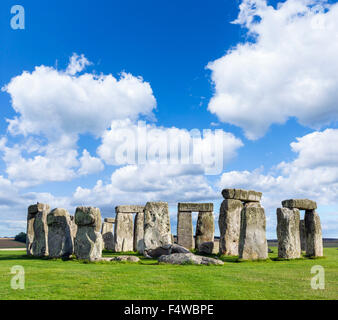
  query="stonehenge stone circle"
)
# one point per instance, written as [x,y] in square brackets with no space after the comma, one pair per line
[230,225]
[60,241]
[302,235]
[139,232]
[157,231]
[88,241]
[288,221]
[313,232]
[205,228]
[185,232]
[37,230]
[108,233]
[252,242]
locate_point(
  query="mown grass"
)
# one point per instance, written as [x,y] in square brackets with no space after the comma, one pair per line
[272,279]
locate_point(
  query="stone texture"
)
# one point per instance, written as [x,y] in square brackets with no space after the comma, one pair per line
[126,258]
[302,235]
[196,207]
[288,233]
[205,228]
[88,242]
[129,209]
[124,232]
[73,227]
[37,230]
[185,232]
[229,226]
[108,235]
[216,247]
[301,204]
[139,232]
[157,231]
[206,247]
[252,241]
[313,231]
[188,258]
[60,240]
[242,195]
[109,220]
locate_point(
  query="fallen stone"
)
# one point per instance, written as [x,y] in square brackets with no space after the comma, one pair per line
[126,258]
[288,233]
[301,204]
[313,231]
[157,231]
[252,242]
[205,228]
[195,207]
[88,242]
[189,258]
[165,250]
[229,225]
[185,233]
[242,195]
[206,247]
[124,232]
[60,240]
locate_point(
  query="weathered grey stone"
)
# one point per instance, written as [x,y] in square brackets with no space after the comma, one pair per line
[129,209]
[185,232]
[88,242]
[206,247]
[302,235]
[60,241]
[301,204]
[243,195]
[124,232]
[108,235]
[139,232]
[37,230]
[252,240]
[196,207]
[288,233]
[126,258]
[176,248]
[166,250]
[313,231]
[216,247]
[109,220]
[73,227]
[229,225]
[205,228]
[188,258]
[157,231]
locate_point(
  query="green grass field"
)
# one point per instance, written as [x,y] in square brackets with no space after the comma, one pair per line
[57,279]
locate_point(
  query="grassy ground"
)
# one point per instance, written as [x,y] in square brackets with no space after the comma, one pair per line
[57,279]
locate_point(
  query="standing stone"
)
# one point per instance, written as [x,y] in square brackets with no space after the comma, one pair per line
[288,233]
[302,235]
[230,225]
[108,234]
[124,232]
[205,228]
[313,231]
[185,232]
[252,241]
[157,231]
[37,230]
[60,242]
[88,241]
[139,232]
[73,227]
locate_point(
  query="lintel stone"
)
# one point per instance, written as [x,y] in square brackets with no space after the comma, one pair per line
[301,204]
[196,207]
[129,209]
[243,195]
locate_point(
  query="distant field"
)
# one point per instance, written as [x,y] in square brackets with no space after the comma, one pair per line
[57,279]
[11,243]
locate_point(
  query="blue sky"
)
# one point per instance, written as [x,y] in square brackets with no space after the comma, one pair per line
[264,81]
